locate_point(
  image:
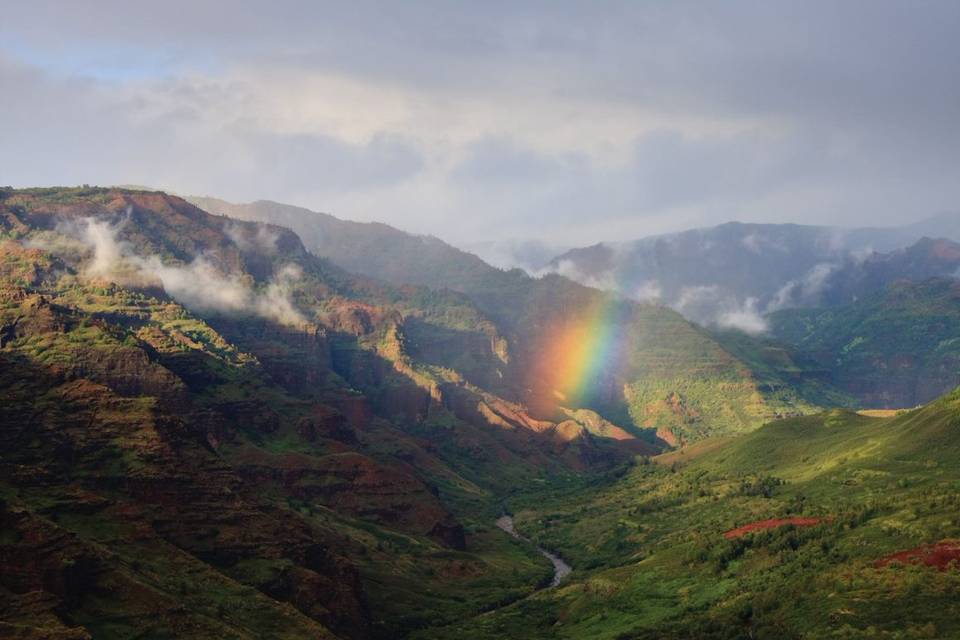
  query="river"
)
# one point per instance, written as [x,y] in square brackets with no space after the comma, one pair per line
[560,568]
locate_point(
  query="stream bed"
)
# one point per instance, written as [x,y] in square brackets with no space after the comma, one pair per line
[560,568]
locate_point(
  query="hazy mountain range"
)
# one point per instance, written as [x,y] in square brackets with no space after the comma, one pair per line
[735,273]
[731,275]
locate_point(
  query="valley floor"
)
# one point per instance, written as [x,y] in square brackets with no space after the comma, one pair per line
[833,526]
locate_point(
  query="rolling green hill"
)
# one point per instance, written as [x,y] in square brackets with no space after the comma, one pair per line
[661,551]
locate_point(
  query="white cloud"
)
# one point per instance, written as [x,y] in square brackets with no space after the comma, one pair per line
[198,285]
[751,242]
[605,280]
[805,291]
[693,296]
[256,237]
[648,291]
[745,318]
[606,123]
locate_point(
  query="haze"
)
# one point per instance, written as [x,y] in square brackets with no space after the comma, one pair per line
[569,123]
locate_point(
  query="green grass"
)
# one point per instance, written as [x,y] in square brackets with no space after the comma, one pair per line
[651,561]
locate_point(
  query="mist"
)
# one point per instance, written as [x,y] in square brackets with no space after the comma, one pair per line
[198,285]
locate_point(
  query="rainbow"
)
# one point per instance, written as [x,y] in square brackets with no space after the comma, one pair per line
[582,350]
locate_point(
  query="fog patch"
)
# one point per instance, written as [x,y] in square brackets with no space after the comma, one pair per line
[256,237]
[757,243]
[751,242]
[606,280]
[532,256]
[198,285]
[276,299]
[710,305]
[804,291]
[648,291]
[746,318]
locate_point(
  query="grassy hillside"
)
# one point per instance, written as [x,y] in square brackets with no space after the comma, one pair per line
[657,552]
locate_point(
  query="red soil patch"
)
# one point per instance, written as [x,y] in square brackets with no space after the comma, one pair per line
[761,525]
[942,555]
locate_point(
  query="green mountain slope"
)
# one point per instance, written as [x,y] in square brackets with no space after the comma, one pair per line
[207,431]
[897,347]
[692,545]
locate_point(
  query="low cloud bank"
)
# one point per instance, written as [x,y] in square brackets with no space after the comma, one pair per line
[724,292]
[198,285]
[711,305]
[804,291]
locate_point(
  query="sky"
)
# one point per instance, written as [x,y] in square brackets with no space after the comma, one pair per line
[567,123]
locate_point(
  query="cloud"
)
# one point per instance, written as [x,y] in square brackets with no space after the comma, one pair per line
[605,280]
[530,255]
[198,285]
[693,296]
[711,305]
[745,318]
[252,237]
[757,243]
[751,242]
[805,291]
[648,291]
[275,301]
[560,121]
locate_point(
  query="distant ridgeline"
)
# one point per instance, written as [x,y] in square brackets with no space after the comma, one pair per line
[762,278]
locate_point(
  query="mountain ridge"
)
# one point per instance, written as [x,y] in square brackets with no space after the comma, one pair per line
[537,313]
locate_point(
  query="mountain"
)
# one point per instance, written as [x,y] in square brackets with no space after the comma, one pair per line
[732,274]
[794,266]
[835,525]
[896,347]
[942,225]
[530,255]
[367,248]
[854,279]
[208,431]
[641,365]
